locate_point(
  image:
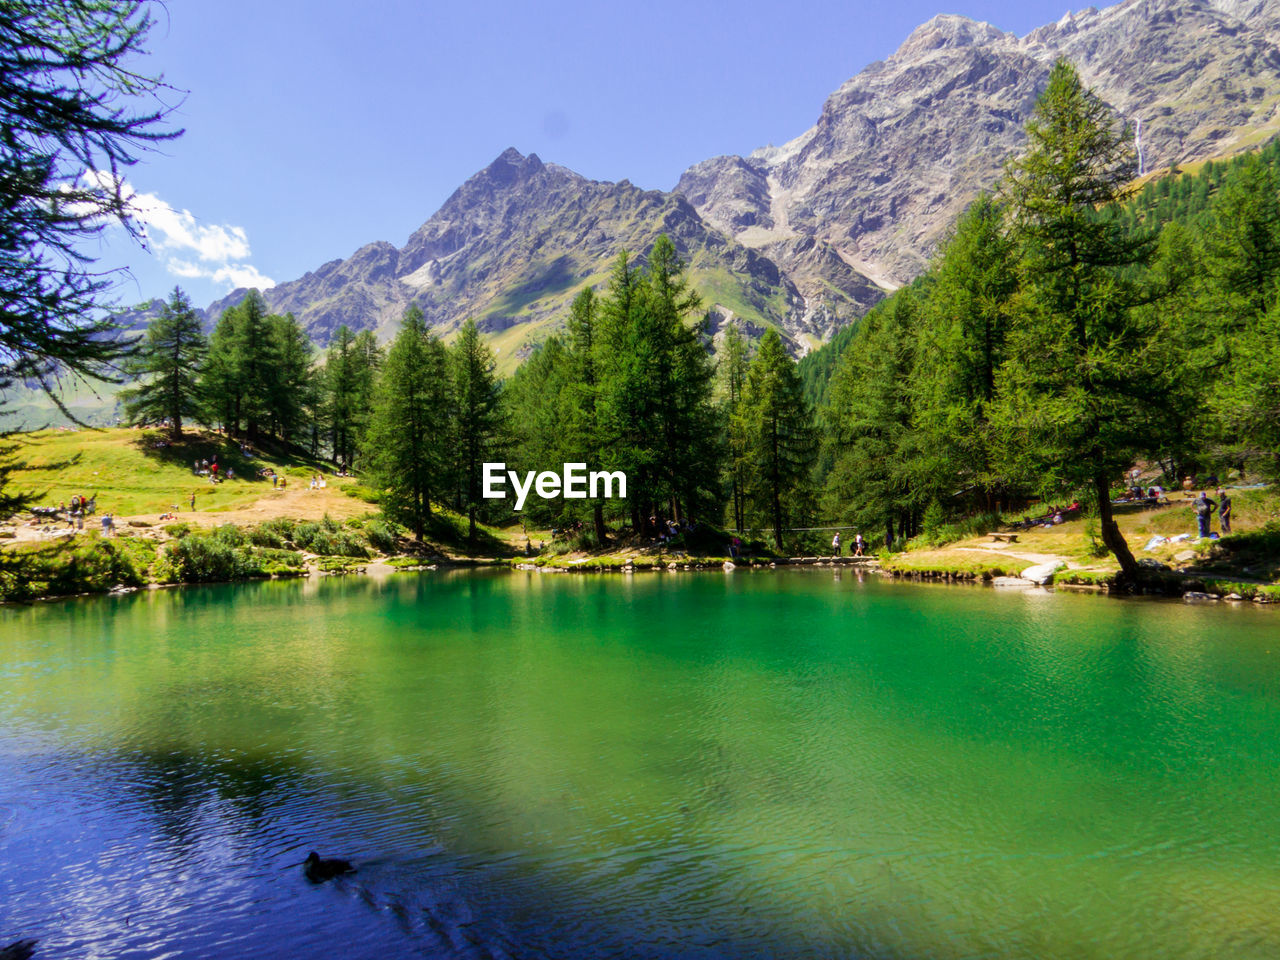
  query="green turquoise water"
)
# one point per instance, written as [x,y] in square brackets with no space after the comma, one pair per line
[768,764]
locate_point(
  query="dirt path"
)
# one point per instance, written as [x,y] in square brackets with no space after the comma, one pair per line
[298,503]
[1004,551]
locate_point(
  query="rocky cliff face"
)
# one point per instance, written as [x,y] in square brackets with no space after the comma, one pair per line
[514,244]
[901,148]
[807,235]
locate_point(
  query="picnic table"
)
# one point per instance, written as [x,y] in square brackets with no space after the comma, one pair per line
[1004,537]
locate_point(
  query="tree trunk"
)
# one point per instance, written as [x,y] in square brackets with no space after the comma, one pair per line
[1111,535]
[777,519]
[598,516]
[737,504]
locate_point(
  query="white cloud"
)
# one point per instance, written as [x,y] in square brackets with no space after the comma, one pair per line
[171,229]
[230,275]
[242,275]
[221,249]
[184,268]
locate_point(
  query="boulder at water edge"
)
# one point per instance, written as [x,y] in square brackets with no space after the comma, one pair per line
[1042,573]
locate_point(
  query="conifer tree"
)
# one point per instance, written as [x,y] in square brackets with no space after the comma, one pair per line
[405,446]
[478,422]
[244,358]
[293,394]
[538,398]
[621,406]
[169,357]
[871,435]
[965,325]
[580,396]
[780,442]
[1248,396]
[351,365]
[340,395]
[658,419]
[219,378]
[732,370]
[1242,244]
[1087,373]
[74,115]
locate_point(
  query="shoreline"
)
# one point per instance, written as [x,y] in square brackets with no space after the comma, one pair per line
[1189,589]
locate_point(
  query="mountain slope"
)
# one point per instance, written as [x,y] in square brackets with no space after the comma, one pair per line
[806,236]
[513,245]
[900,149]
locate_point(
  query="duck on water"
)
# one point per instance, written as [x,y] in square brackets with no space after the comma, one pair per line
[318,870]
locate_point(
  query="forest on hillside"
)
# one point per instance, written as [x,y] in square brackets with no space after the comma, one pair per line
[1068,328]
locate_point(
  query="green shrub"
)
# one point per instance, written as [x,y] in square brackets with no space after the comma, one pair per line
[1093,530]
[585,539]
[337,565]
[339,543]
[274,533]
[936,531]
[280,562]
[85,564]
[206,559]
[382,536]
[556,548]
[228,534]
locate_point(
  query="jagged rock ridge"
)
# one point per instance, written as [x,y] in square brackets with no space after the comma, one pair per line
[904,146]
[513,245]
[807,235]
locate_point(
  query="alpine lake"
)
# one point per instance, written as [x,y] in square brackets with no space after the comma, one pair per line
[786,763]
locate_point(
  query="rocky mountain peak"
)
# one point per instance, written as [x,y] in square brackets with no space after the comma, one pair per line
[807,235]
[902,147]
[947,31]
[510,166]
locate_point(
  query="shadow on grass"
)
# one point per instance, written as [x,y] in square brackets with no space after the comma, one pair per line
[13,502]
[445,528]
[193,447]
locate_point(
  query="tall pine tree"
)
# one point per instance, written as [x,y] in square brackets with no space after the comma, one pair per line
[168,361]
[478,423]
[732,370]
[405,447]
[1084,386]
[780,442]
[966,322]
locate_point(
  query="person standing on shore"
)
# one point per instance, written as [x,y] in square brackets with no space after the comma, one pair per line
[835,544]
[1204,508]
[1224,510]
[858,544]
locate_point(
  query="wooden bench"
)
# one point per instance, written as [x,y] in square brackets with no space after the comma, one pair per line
[1004,538]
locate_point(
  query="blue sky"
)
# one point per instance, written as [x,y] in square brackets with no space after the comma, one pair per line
[314,127]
